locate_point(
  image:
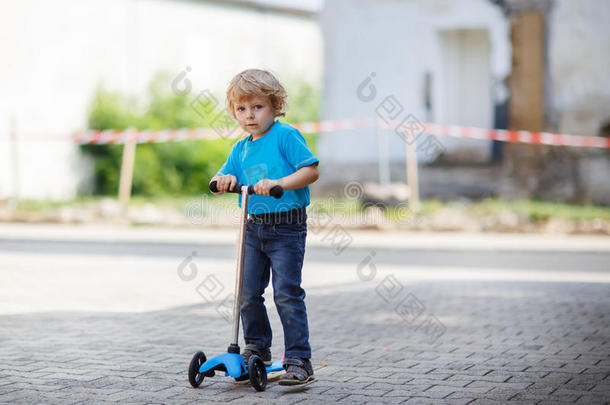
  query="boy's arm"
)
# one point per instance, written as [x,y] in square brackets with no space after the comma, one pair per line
[301,178]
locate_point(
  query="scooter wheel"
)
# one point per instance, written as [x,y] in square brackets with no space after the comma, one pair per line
[257,373]
[195,377]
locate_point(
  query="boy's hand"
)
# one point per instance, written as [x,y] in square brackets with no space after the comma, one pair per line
[263,186]
[226,183]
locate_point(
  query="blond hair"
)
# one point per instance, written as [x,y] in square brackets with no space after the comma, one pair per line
[253,83]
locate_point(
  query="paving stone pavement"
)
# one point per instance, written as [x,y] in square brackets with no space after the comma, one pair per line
[480,342]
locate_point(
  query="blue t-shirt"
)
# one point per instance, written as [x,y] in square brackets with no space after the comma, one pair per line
[279,153]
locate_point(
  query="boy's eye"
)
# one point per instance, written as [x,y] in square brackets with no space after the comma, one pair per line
[259,106]
[240,108]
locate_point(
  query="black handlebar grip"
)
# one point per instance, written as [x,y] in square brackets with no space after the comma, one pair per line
[214,188]
[277,191]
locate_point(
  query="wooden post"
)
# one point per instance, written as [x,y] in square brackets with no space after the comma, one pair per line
[129,154]
[15,159]
[412,176]
[526,103]
[527,77]
[384,158]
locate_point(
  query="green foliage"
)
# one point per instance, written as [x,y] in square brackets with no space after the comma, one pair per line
[303,103]
[303,106]
[174,168]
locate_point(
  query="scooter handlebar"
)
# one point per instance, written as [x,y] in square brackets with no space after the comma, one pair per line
[276,191]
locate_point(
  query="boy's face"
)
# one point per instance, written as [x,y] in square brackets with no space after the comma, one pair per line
[254,114]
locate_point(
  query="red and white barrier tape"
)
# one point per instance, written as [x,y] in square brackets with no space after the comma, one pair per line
[110,137]
[337,125]
[506,135]
[118,137]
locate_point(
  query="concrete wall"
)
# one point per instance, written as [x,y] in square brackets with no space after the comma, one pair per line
[392,45]
[579,87]
[55,53]
[579,57]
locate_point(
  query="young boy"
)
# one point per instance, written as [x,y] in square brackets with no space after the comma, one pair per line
[272,154]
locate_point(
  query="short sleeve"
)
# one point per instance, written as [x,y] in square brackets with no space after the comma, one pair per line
[296,151]
[230,167]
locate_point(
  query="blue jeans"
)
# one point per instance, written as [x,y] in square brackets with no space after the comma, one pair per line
[279,248]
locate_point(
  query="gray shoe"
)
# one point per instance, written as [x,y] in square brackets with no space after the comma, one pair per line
[264,354]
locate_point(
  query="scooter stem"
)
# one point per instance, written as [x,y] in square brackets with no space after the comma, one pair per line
[239,271]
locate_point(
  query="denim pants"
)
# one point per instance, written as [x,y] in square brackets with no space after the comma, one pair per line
[276,249]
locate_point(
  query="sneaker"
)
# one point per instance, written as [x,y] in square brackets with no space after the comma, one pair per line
[298,371]
[264,354]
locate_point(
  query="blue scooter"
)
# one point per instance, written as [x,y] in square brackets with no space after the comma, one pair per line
[232,363]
